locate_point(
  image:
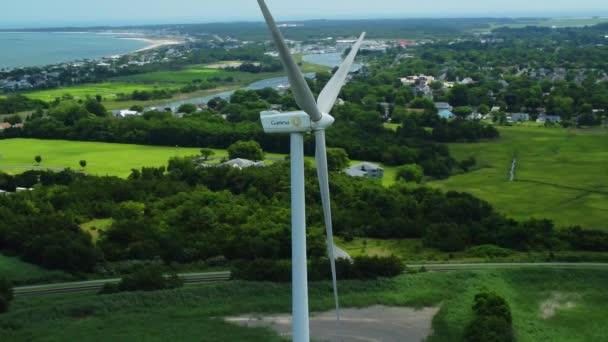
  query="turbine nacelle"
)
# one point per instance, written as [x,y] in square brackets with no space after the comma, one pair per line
[293,122]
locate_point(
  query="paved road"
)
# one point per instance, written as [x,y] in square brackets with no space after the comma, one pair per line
[95,285]
[212,277]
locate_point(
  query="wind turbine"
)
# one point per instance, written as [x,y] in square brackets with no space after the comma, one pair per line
[313,118]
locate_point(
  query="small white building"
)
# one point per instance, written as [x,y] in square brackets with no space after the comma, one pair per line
[365,170]
[126,113]
[543,118]
[241,164]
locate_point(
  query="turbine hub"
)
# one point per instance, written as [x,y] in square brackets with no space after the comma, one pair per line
[293,122]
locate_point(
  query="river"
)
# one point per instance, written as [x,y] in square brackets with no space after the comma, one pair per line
[328,59]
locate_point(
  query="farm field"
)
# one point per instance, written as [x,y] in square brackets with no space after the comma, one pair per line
[21,272]
[547,305]
[187,75]
[108,90]
[561,174]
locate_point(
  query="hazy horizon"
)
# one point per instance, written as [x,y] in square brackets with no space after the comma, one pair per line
[63,13]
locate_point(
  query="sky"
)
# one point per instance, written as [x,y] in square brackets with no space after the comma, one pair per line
[49,13]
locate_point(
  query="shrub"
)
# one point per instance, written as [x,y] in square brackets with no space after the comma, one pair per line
[246,150]
[6,295]
[150,278]
[263,270]
[489,251]
[410,173]
[375,267]
[319,269]
[492,322]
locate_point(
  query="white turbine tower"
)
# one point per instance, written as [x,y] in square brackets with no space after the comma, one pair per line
[314,117]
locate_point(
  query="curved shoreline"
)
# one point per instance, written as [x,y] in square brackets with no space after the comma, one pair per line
[154,43]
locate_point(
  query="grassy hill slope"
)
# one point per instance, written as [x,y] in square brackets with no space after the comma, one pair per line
[561,174]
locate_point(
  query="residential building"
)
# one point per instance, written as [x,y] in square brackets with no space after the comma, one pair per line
[475,116]
[543,118]
[443,106]
[518,117]
[241,164]
[365,170]
[126,113]
[417,80]
[4,125]
[446,114]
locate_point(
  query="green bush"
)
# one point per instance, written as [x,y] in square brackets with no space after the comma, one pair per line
[263,270]
[146,279]
[6,295]
[492,322]
[319,269]
[489,251]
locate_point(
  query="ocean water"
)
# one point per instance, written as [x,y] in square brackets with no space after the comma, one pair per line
[21,49]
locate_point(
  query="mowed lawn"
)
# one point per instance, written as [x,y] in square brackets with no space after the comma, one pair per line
[187,75]
[561,174]
[108,90]
[102,158]
[17,155]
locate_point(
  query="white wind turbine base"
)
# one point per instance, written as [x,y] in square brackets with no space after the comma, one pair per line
[313,117]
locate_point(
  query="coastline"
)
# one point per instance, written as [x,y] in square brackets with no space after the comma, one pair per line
[154,43]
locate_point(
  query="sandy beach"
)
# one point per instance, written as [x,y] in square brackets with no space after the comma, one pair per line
[154,43]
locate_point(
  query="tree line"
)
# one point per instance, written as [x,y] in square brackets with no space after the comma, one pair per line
[187,214]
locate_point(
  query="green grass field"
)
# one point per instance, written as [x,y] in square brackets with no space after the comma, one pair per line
[102,158]
[577,298]
[561,174]
[95,227]
[108,90]
[191,73]
[21,272]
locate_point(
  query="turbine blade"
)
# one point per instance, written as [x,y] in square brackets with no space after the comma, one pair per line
[301,91]
[330,93]
[322,172]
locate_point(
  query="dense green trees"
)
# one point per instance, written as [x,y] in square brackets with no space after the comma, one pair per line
[187,108]
[492,322]
[191,214]
[246,150]
[19,103]
[149,278]
[94,106]
[6,295]
[337,159]
[410,173]
[361,267]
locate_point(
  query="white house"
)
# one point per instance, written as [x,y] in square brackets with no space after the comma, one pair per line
[443,106]
[543,118]
[241,164]
[366,170]
[515,117]
[126,113]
